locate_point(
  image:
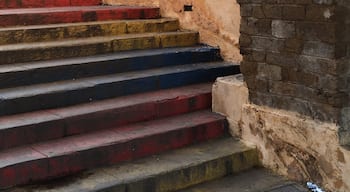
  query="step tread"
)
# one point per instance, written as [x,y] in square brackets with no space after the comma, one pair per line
[85,41]
[144,169]
[73,144]
[62,25]
[36,117]
[23,11]
[255,180]
[33,90]
[9,4]
[124,134]
[8,68]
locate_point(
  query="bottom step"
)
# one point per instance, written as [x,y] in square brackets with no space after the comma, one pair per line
[170,171]
[255,180]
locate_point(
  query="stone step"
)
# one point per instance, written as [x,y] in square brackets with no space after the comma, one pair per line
[39,126]
[27,52]
[67,69]
[9,4]
[74,14]
[56,32]
[72,92]
[73,154]
[255,180]
[169,171]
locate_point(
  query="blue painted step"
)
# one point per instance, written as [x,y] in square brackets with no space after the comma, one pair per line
[65,93]
[69,69]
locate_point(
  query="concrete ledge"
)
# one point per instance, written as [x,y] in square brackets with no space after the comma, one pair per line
[229,95]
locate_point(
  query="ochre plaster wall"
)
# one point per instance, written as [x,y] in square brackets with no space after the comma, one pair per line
[291,144]
[217,21]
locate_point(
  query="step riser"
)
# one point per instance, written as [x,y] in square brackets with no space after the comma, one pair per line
[101,47]
[40,34]
[25,19]
[68,125]
[6,4]
[67,72]
[114,89]
[190,176]
[107,155]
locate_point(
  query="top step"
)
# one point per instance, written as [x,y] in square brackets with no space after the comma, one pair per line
[74,14]
[10,4]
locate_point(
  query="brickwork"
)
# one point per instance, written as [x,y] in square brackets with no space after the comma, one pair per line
[296,56]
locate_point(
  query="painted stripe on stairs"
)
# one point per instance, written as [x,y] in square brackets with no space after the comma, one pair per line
[39,126]
[54,15]
[65,93]
[55,32]
[74,68]
[74,154]
[26,52]
[8,4]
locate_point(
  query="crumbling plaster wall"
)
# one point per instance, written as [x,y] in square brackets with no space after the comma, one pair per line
[291,144]
[217,21]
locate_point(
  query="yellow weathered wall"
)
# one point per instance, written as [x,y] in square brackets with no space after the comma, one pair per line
[297,146]
[217,21]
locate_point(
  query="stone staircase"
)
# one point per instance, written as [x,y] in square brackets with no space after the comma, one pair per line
[108,98]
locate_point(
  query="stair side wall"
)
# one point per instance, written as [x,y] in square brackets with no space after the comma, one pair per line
[293,145]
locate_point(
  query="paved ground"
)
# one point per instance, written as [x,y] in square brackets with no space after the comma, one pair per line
[257,180]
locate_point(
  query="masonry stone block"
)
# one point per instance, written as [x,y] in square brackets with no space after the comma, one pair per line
[319,49]
[301,61]
[283,29]
[270,72]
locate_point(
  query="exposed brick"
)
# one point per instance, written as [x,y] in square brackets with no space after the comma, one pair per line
[293,75]
[319,49]
[273,11]
[249,68]
[283,29]
[320,13]
[268,44]
[293,12]
[286,60]
[253,26]
[317,31]
[269,72]
[255,56]
[257,12]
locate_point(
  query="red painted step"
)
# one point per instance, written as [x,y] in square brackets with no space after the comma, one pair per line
[77,153]
[45,125]
[54,15]
[8,4]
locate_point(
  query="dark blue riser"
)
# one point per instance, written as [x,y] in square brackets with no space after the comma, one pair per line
[60,94]
[68,69]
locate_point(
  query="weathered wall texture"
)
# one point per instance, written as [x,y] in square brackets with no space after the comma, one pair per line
[296,57]
[289,143]
[217,21]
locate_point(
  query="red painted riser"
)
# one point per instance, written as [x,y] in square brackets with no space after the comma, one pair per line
[74,154]
[46,125]
[42,16]
[8,4]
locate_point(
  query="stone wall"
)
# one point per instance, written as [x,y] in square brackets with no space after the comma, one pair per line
[291,144]
[217,21]
[296,56]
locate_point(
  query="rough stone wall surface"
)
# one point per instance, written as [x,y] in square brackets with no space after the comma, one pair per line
[217,21]
[291,144]
[296,56]
[297,146]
